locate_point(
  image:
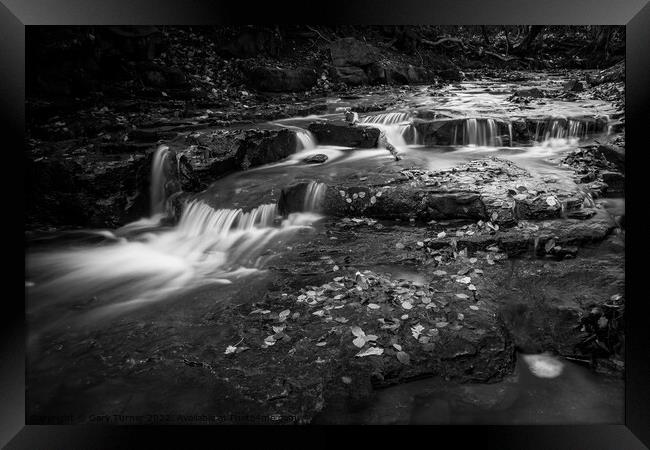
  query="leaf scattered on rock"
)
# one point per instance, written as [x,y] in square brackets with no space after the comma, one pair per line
[403,357]
[371,351]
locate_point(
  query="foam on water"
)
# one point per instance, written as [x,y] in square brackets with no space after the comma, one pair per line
[544,365]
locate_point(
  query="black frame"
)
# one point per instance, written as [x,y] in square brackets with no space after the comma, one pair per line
[635,14]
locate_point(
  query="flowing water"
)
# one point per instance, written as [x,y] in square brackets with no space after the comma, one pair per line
[543,390]
[231,232]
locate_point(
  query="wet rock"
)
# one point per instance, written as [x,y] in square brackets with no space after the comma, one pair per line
[393,73]
[212,155]
[452,131]
[529,92]
[613,154]
[95,191]
[529,326]
[275,79]
[316,159]
[478,190]
[341,133]
[352,76]
[314,360]
[615,182]
[352,52]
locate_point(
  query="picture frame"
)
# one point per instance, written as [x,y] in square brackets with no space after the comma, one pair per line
[15,15]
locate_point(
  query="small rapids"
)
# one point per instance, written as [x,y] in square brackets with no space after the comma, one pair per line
[481,132]
[158,180]
[305,140]
[393,127]
[206,246]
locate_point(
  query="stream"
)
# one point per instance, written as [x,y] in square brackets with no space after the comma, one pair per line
[106,283]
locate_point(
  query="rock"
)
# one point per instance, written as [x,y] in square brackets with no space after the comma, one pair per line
[99,191]
[352,76]
[616,73]
[613,154]
[451,131]
[315,159]
[275,79]
[352,52]
[615,181]
[478,190]
[218,153]
[529,92]
[573,86]
[527,325]
[341,133]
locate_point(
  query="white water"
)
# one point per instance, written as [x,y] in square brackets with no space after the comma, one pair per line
[207,246]
[305,140]
[481,132]
[158,180]
[314,196]
[544,365]
[392,125]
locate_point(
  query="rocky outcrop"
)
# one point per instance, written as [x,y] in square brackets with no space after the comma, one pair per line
[91,190]
[343,134]
[214,154]
[491,190]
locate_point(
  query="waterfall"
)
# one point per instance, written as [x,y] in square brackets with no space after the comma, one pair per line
[314,195]
[158,180]
[305,140]
[561,128]
[410,134]
[392,126]
[481,132]
[388,118]
[206,246]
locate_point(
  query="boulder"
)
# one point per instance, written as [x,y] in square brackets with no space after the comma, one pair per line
[352,52]
[352,76]
[316,159]
[276,79]
[343,134]
[212,155]
[613,154]
[615,182]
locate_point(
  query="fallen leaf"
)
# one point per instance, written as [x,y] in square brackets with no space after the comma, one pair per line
[358,332]
[359,341]
[373,306]
[403,357]
[463,296]
[397,347]
[372,351]
[416,330]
